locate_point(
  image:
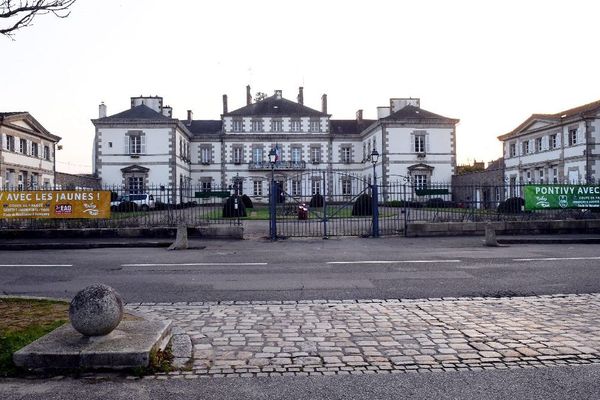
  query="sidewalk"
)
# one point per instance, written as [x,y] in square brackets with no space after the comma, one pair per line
[316,337]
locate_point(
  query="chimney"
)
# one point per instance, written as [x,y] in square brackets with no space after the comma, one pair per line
[190,116]
[301,95]
[167,111]
[248,96]
[102,110]
[324,104]
[224,104]
[359,116]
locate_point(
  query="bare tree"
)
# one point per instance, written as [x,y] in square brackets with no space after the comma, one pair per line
[17,14]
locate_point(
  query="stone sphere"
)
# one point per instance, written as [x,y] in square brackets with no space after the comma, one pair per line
[96,310]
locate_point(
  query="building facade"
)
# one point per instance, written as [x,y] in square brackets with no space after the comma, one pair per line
[27,154]
[146,146]
[554,148]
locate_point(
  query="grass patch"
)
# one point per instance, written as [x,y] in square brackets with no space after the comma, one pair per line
[22,322]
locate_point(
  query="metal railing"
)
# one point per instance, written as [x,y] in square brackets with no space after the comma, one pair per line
[160,206]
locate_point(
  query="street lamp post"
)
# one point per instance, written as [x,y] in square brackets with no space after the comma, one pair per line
[273,197]
[374,159]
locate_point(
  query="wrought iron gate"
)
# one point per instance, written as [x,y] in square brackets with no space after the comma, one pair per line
[322,204]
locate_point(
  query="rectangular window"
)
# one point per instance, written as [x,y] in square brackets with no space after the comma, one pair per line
[10,143]
[237,155]
[419,144]
[315,125]
[315,155]
[135,144]
[538,144]
[512,150]
[205,155]
[296,188]
[257,125]
[346,187]
[257,155]
[528,174]
[258,188]
[346,154]
[237,125]
[315,187]
[135,184]
[34,149]
[296,155]
[420,181]
[206,186]
[555,175]
[572,137]
[276,125]
[46,153]
[553,141]
[526,147]
[295,125]
[22,146]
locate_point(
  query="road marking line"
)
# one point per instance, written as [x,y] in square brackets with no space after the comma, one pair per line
[36,265]
[556,259]
[393,262]
[188,264]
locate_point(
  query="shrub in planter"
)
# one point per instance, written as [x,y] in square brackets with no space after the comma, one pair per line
[435,203]
[316,201]
[247,201]
[511,206]
[234,207]
[127,206]
[363,205]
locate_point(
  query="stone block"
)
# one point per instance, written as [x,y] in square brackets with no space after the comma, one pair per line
[128,346]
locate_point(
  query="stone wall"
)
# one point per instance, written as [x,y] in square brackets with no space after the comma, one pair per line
[70,181]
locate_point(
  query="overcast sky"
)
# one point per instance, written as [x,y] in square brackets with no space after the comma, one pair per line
[489,63]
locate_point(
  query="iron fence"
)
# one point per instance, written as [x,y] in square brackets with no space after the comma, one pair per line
[152,206]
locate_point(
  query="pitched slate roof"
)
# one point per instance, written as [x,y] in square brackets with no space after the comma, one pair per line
[7,117]
[8,114]
[572,112]
[348,126]
[414,113]
[203,127]
[138,112]
[277,107]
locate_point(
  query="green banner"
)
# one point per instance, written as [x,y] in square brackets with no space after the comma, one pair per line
[540,197]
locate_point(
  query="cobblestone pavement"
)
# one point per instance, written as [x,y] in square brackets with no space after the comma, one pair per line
[384,336]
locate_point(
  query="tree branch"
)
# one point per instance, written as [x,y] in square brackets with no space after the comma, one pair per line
[20,13]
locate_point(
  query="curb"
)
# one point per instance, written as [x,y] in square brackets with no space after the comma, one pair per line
[77,246]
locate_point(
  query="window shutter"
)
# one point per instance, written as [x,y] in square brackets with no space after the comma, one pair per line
[427,149]
[580,136]
[143,144]
[126,149]
[545,142]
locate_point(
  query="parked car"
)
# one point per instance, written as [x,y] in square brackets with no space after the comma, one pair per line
[132,202]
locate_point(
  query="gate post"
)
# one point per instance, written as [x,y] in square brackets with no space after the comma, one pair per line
[375,210]
[325,205]
[273,208]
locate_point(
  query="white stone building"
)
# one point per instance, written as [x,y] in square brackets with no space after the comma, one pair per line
[146,146]
[27,153]
[554,148]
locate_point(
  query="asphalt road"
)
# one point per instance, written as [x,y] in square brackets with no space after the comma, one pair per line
[556,383]
[308,269]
